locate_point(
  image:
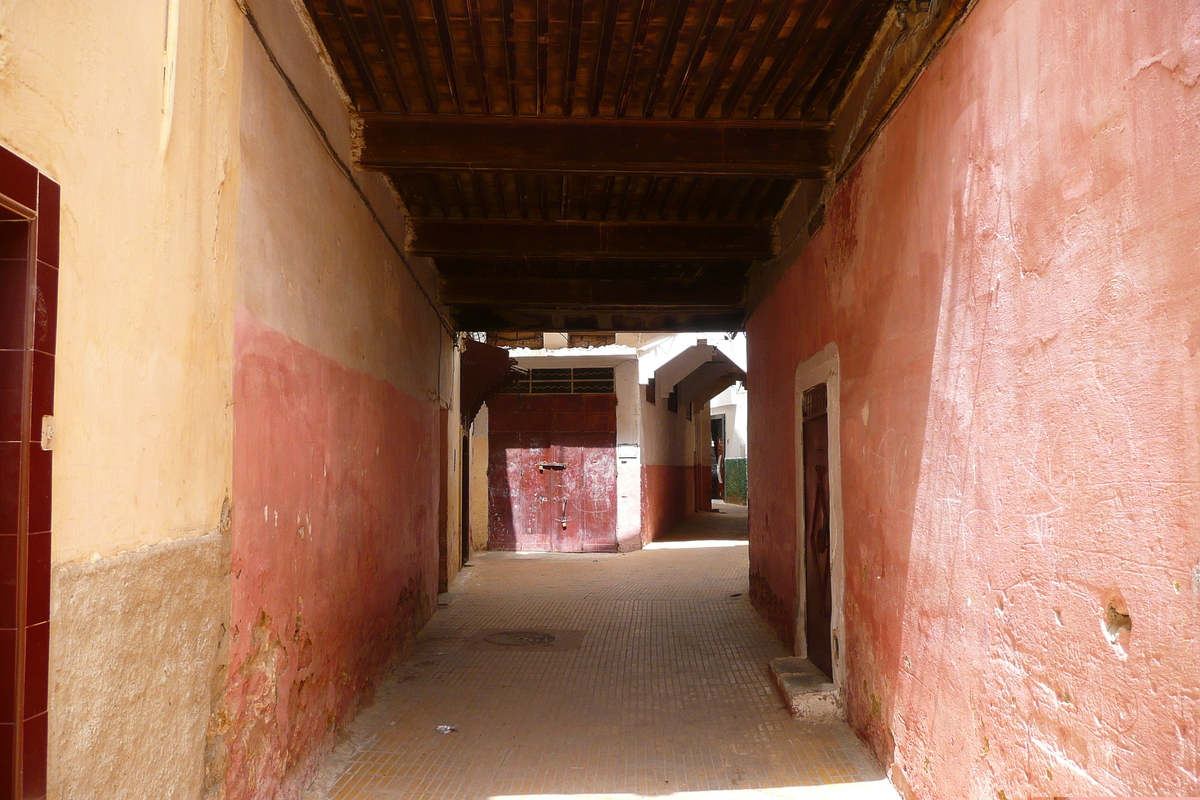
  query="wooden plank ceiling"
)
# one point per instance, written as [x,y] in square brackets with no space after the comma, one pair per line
[596,164]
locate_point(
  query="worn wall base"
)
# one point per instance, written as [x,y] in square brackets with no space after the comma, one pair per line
[773,609]
[138,649]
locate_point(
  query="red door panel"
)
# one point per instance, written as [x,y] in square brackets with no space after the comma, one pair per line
[569,483]
[535,493]
[568,509]
[598,501]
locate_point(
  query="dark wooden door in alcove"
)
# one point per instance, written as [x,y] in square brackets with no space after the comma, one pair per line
[818,589]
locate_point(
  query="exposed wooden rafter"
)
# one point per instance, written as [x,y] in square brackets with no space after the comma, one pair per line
[591,293]
[670,318]
[595,146]
[619,164]
[587,239]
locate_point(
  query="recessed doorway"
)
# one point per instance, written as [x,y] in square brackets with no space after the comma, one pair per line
[820,565]
[818,590]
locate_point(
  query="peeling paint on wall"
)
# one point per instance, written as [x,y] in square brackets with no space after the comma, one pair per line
[336,577]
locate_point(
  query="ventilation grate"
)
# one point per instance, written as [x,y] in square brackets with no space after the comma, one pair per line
[565,380]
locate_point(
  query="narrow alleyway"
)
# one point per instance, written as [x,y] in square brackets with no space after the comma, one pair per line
[656,685]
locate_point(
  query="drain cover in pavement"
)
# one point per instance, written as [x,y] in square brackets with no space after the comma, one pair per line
[521,638]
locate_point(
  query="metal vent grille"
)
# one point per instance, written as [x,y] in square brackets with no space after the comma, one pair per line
[565,380]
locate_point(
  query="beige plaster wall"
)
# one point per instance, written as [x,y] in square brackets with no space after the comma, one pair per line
[630,397]
[314,264]
[479,480]
[452,530]
[132,107]
[666,435]
[141,135]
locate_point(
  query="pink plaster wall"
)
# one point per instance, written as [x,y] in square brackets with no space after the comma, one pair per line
[1012,277]
[334,550]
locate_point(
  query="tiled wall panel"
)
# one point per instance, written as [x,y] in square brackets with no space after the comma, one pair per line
[28,319]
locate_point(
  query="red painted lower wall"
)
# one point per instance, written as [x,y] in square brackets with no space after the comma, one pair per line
[334,551]
[1011,278]
[664,498]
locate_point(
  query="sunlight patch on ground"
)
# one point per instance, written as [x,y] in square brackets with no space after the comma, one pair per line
[864,790]
[689,545]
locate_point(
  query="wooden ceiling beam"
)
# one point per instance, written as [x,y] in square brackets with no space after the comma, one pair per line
[665,53]
[813,69]
[429,236]
[510,55]
[475,26]
[603,51]
[656,147]
[640,27]
[733,42]
[693,270]
[386,43]
[355,51]
[784,63]
[750,67]
[487,318]
[441,18]
[712,16]
[542,13]
[591,293]
[416,47]
[572,71]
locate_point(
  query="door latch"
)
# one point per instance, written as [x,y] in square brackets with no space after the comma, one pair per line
[545,465]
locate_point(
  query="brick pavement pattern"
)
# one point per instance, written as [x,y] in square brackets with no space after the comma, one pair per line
[657,686]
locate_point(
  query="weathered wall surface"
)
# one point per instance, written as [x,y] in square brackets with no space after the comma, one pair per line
[630,397]
[340,373]
[142,140]
[479,480]
[1010,278]
[334,567]
[137,653]
[132,108]
[668,474]
[450,506]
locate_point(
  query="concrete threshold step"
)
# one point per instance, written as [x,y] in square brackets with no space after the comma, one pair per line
[806,690]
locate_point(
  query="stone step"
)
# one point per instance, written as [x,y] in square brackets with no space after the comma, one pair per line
[806,690]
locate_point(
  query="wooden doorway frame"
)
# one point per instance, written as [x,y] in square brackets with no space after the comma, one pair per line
[822,368]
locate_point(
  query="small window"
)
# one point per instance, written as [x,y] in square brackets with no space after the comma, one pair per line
[815,402]
[578,380]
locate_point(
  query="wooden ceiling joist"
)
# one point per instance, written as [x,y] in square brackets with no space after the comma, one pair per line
[670,318]
[430,236]
[590,293]
[595,146]
[619,165]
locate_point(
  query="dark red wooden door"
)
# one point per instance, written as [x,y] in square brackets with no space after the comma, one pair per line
[552,472]
[818,589]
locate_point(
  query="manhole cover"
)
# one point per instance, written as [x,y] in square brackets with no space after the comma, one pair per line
[521,638]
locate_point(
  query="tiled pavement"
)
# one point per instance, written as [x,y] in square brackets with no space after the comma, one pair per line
[664,693]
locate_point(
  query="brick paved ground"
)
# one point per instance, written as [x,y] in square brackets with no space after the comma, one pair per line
[656,686]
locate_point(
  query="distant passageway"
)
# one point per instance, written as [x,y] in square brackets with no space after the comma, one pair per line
[655,684]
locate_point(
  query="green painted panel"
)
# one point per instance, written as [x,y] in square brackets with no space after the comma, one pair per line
[735,481]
